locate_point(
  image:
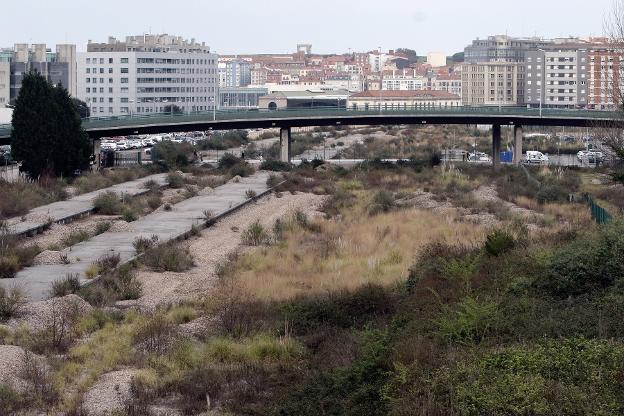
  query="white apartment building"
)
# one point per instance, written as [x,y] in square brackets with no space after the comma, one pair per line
[145,74]
[404,82]
[5,83]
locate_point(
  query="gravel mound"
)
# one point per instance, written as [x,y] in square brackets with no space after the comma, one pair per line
[36,316]
[47,257]
[109,394]
[12,367]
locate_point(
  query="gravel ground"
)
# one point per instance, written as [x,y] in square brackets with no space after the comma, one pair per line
[36,316]
[109,394]
[214,245]
[12,367]
[489,194]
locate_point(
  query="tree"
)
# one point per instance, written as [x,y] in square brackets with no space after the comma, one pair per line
[411,54]
[458,57]
[173,109]
[81,108]
[47,134]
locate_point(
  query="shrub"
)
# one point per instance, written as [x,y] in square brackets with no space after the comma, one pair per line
[92,271]
[175,180]
[208,216]
[10,400]
[9,266]
[102,227]
[586,264]
[273,181]
[75,237]
[499,242]
[254,235]
[382,202]
[142,244]
[153,333]
[65,286]
[167,207]
[108,203]
[171,155]
[275,166]
[129,215]
[469,323]
[228,161]
[168,258]
[250,193]
[154,202]
[182,314]
[26,254]
[108,262]
[152,185]
[11,301]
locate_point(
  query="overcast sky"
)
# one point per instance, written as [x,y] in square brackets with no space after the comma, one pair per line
[254,26]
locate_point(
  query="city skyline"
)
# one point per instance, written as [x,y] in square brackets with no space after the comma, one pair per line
[356,25]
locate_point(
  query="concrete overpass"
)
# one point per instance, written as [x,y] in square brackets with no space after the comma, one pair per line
[517,117]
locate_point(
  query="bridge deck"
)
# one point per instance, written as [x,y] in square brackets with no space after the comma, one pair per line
[164,123]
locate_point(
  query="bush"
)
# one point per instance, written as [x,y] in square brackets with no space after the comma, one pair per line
[586,264]
[250,194]
[499,242]
[102,227]
[153,333]
[254,235]
[142,244]
[108,203]
[228,161]
[382,202]
[65,286]
[75,237]
[168,258]
[9,266]
[129,215]
[108,262]
[273,181]
[175,180]
[469,323]
[275,166]
[171,155]
[11,301]
[10,400]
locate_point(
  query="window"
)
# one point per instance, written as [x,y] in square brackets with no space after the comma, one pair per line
[110,80]
[88,90]
[110,90]
[102,90]
[110,99]
[101,61]
[101,70]
[110,70]
[88,60]
[124,70]
[110,60]
[88,70]
[124,80]
[124,100]
[124,60]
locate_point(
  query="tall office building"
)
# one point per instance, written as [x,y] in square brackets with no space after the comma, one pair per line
[57,67]
[146,74]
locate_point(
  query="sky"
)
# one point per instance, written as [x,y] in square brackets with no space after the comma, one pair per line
[331,26]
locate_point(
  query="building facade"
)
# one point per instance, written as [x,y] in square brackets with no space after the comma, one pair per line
[501,48]
[493,84]
[397,100]
[59,67]
[240,97]
[606,86]
[556,78]
[146,74]
[234,73]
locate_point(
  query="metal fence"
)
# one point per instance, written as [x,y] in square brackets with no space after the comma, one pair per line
[599,214]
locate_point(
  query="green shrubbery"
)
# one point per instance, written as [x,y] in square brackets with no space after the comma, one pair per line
[108,203]
[168,258]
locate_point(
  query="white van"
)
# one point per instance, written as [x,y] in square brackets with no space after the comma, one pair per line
[535,157]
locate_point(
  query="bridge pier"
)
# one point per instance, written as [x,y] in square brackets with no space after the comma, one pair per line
[518,136]
[285,144]
[496,145]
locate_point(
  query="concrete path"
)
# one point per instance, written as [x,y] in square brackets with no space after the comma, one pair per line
[167,225]
[64,211]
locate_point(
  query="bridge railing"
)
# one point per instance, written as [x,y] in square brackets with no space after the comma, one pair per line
[390,110]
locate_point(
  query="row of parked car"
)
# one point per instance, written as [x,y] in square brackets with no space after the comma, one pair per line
[148,140]
[591,156]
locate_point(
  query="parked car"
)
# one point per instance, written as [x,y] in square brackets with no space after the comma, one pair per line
[148,142]
[123,145]
[535,157]
[479,157]
[108,146]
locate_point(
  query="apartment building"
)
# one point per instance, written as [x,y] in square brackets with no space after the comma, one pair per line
[493,84]
[605,83]
[501,48]
[145,74]
[58,67]
[450,83]
[556,77]
[234,73]
[405,80]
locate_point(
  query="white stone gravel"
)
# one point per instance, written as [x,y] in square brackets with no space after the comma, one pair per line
[36,316]
[109,394]
[12,367]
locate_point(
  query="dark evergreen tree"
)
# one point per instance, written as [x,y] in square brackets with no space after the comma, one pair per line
[81,107]
[47,134]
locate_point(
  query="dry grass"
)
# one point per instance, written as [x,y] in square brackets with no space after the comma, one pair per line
[348,254]
[575,214]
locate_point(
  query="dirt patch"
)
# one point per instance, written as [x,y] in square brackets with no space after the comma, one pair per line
[109,394]
[213,247]
[489,194]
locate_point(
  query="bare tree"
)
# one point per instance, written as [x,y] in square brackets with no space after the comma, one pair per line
[614,29]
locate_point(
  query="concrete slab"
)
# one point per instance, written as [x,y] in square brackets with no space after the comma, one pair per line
[167,225]
[65,211]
